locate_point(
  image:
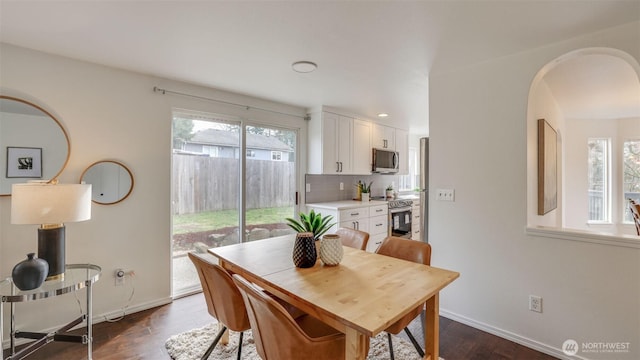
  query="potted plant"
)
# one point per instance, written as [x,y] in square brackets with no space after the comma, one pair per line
[389,192]
[312,222]
[366,191]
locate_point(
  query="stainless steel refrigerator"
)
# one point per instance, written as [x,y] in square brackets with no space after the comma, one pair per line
[424,188]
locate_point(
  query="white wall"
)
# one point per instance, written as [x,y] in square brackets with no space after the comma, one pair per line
[543,106]
[478,140]
[111,114]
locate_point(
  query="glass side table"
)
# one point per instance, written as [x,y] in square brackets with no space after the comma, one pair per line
[76,277]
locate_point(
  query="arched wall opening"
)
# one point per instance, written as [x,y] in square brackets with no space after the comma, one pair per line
[606,85]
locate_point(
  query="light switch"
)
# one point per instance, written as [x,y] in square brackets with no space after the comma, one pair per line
[445,195]
[308,187]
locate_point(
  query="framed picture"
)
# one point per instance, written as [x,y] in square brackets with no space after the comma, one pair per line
[547,168]
[24,162]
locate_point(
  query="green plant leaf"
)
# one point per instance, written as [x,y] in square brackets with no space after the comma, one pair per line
[311,222]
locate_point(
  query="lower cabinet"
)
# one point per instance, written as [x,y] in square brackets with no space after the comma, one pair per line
[379,230]
[416,223]
[373,219]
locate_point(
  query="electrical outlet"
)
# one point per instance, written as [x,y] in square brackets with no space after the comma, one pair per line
[341,186]
[119,275]
[308,187]
[445,194]
[535,303]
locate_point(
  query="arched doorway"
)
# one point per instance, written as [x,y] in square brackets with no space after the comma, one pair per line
[591,97]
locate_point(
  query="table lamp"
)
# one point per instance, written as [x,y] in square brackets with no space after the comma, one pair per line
[51,205]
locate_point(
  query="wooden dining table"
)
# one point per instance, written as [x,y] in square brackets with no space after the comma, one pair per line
[360,297]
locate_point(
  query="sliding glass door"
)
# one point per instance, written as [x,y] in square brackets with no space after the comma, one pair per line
[231,183]
[270,179]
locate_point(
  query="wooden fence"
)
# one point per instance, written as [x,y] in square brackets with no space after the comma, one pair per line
[208,184]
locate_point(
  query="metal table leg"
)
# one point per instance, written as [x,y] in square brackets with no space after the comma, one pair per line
[12,321]
[89,321]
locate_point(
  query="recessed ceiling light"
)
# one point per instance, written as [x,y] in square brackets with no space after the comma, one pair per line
[383,115]
[304,66]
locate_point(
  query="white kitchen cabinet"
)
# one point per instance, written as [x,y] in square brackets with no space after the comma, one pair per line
[416,214]
[337,145]
[361,149]
[340,144]
[383,137]
[378,226]
[369,217]
[355,218]
[402,147]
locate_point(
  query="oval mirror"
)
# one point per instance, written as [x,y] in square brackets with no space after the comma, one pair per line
[111,181]
[33,143]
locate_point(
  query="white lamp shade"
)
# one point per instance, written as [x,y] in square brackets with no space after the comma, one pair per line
[44,203]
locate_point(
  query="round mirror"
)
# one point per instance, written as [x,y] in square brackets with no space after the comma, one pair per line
[33,143]
[111,181]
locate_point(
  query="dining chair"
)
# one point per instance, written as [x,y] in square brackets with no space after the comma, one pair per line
[410,250]
[635,212]
[353,238]
[278,336]
[224,300]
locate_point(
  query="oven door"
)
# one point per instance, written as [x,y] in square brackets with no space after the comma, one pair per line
[400,222]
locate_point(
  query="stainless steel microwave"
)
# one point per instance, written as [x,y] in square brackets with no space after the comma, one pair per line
[385,161]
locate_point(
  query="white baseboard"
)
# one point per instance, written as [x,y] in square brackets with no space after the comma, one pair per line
[130,310]
[99,318]
[530,343]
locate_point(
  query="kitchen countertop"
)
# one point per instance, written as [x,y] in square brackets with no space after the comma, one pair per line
[346,204]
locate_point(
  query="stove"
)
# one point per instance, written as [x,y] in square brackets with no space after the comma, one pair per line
[400,217]
[400,203]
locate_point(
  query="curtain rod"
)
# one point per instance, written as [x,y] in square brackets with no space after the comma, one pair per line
[247,107]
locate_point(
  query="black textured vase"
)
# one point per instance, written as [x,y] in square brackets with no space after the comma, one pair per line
[29,274]
[304,250]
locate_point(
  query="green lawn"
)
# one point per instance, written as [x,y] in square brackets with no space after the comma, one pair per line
[219,219]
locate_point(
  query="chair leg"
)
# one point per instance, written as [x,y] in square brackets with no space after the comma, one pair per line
[414,342]
[390,346]
[240,345]
[213,344]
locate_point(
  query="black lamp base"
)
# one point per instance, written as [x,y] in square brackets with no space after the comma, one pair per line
[51,248]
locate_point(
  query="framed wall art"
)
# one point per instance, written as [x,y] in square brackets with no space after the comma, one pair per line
[24,162]
[547,167]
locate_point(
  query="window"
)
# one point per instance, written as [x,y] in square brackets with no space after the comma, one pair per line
[251,153]
[598,180]
[276,155]
[631,175]
[412,180]
[210,150]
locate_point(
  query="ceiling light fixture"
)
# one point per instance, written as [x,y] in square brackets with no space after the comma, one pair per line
[304,66]
[383,115]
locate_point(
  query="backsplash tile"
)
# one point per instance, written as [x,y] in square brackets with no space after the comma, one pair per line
[327,187]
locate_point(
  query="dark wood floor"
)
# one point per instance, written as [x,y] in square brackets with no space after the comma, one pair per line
[142,336]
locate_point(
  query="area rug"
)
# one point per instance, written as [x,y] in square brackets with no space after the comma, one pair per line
[192,344]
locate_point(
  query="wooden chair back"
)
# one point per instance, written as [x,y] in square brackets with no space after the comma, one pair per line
[353,238]
[278,336]
[224,300]
[410,250]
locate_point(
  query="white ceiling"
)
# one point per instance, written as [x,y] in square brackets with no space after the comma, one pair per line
[595,86]
[373,56]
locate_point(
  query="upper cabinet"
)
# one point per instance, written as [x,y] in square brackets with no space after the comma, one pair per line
[330,144]
[361,153]
[383,137]
[402,147]
[340,144]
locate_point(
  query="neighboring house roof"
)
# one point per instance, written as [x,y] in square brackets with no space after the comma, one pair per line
[228,138]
